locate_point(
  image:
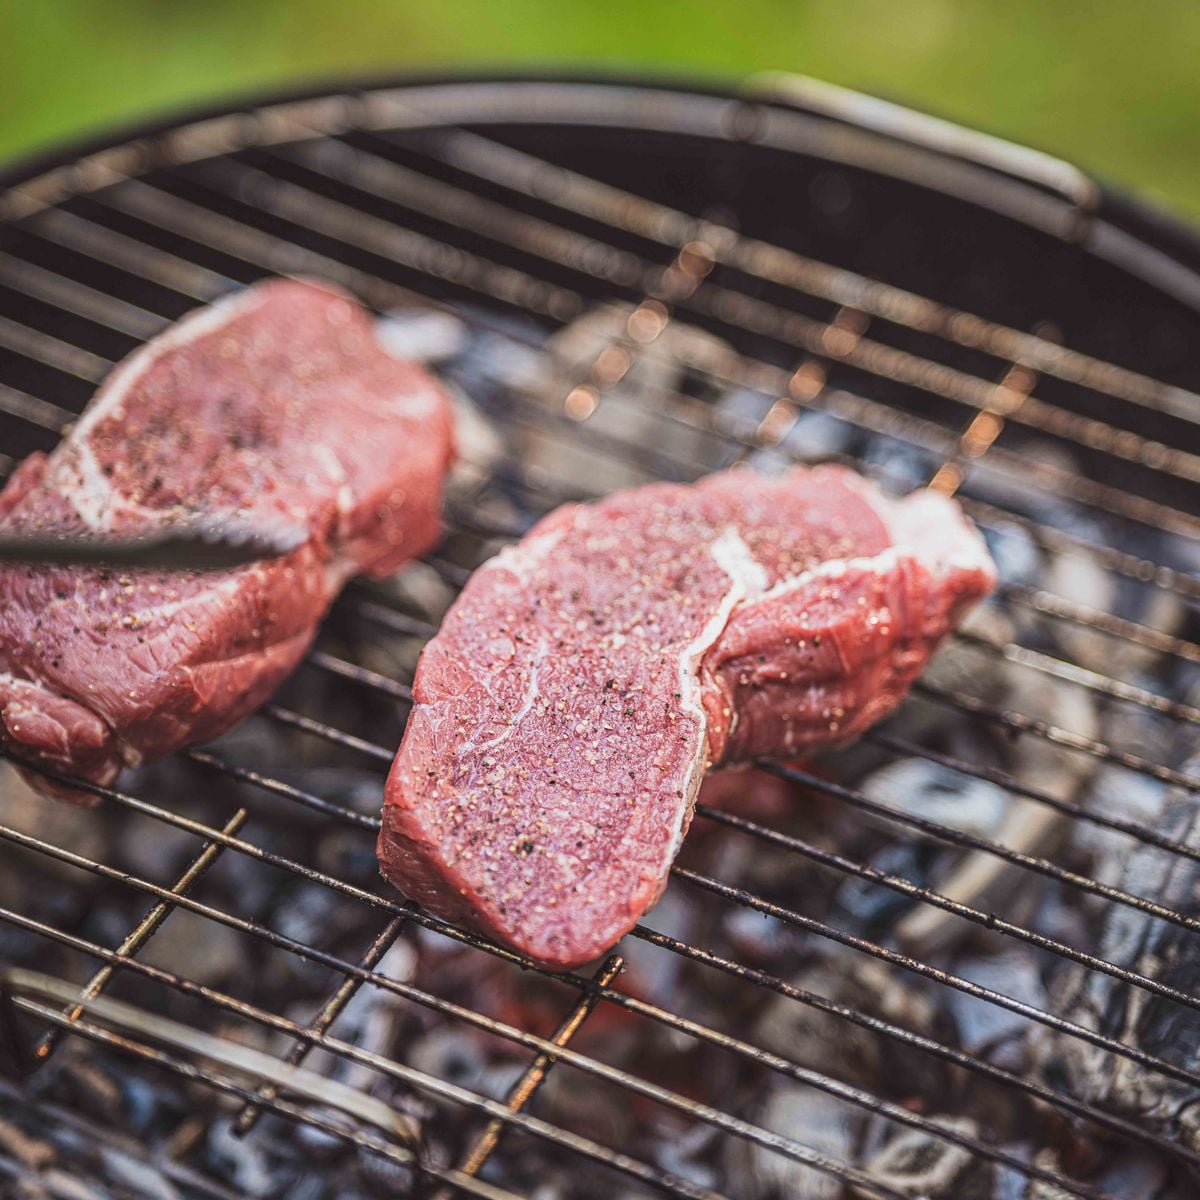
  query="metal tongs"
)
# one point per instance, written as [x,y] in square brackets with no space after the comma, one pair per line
[203,544]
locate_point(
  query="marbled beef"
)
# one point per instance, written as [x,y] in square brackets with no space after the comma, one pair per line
[587,678]
[277,404]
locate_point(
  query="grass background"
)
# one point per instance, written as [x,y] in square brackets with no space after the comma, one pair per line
[1113,85]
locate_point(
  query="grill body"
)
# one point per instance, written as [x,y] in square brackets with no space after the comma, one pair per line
[633,280]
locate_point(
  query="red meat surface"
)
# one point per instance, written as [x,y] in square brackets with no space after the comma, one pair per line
[275,405]
[588,677]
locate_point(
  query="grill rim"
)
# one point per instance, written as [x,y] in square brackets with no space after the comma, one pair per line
[1150,225]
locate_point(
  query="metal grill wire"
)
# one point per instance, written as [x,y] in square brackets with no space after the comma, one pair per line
[301,203]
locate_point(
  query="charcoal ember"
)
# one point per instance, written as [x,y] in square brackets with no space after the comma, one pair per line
[1008,484]
[244,1161]
[504,357]
[755,937]
[152,849]
[479,446]
[1186,683]
[835,1046]
[985,1029]
[348,787]
[816,436]
[420,591]
[137,1175]
[383,1177]
[33,1152]
[740,411]
[1159,950]
[983,880]
[920,788]
[651,972]
[1016,555]
[1135,730]
[460,1057]
[1084,581]
[959,666]
[320,1145]
[422,335]
[348,855]
[898,466]
[815,1120]
[1079,578]
[874,909]
[1130,1174]
[1121,794]
[69,827]
[58,1184]
[633,379]
[690,1155]
[88,1083]
[811,437]
[919,1164]
[314,1186]
[369,1021]
[203,950]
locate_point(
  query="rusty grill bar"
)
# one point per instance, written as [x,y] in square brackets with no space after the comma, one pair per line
[321,188]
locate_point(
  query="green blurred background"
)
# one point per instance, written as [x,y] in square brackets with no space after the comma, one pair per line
[1113,85]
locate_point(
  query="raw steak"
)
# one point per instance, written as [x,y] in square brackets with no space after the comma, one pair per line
[276,404]
[589,676]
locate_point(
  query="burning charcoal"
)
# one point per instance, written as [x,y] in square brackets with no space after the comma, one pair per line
[876,909]
[632,383]
[899,467]
[959,666]
[421,590]
[154,849]
[349,855]
[740,412]
[458,1056]
[1120,793]
[507,355]
[753,935]
[241,1159]
[56,1184]
[67,826]
[837,1047]
[368,1021]
[1139,1175]
[816,436]
[1081,579]
[985,1029]
[422,335]
[1137,731]
[1154,948]
[654,973]
[137,1176]
[1015,553]
[811,1118]
[479,447]
[933,792]
[1008,486]
[1131,1175]
[684,1155]
[923,1166]
[191,945]
[383,1177]
[30,1151]
[319,1144]
[981,879]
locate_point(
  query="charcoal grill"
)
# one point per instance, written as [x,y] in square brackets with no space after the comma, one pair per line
[977,307]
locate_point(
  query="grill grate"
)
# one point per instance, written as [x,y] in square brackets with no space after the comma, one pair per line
[387,193]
